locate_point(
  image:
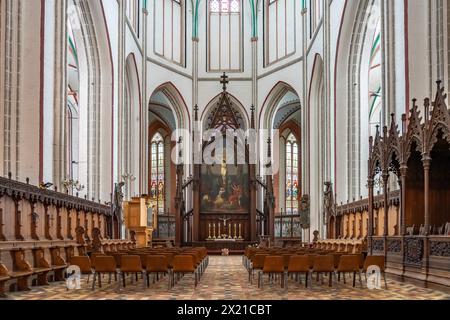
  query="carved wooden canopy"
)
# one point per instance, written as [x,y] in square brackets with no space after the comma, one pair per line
[390,150]
[224,115]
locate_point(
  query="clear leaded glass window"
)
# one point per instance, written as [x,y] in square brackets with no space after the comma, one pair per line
[224,6]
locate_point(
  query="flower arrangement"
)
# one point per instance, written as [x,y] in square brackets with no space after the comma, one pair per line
[225,252]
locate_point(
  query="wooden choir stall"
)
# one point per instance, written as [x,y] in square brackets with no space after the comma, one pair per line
[410,226]
[42,229]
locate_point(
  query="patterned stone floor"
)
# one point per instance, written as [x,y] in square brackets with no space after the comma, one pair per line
[226,279]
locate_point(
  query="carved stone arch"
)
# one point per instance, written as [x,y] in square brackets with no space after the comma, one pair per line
[272,101]
[176,102]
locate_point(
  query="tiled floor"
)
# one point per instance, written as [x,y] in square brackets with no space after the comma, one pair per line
[227,279]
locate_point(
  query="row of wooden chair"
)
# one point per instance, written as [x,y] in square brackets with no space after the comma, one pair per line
[340,245]
[149,262]
[297,264]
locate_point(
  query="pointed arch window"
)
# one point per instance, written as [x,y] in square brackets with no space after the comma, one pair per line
[292,175]
[157,185]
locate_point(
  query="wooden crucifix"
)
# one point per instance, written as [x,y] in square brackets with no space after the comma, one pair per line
[58,223]
[224,219]
[34,220]
[2,235]
[47,223]
[18,219]
[69,225]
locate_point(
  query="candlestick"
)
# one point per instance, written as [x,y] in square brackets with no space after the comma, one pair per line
[235,231]
[209,231]
[240,231]
[219,236]
[214,230]
[229,231]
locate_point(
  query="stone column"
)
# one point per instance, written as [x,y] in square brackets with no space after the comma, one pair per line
[60,158]
[121,86]
[386,204]
[426,170]
[143,187]
[370,185]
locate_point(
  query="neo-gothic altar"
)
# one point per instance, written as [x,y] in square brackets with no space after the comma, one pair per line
[224,185]
[224,194]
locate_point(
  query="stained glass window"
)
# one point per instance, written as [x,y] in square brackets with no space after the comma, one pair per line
[224,6]
[292,176]
[157,174]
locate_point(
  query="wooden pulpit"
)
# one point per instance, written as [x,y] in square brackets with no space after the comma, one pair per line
[136,219]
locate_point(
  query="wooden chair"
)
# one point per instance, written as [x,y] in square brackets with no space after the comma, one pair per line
[183,264]
[94,256]
[4,277]
[287,259]
[324,264]
[311,258]
[298,265]
[84,263]
[155,265]
[131,264]
[256,264]
[349,263]
[273,265]
[378,261]
[103,264]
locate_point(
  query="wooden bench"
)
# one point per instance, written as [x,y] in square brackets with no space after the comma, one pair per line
[17,270]
[19,264]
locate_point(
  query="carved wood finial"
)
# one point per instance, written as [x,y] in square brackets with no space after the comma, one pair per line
[252,109]
[224,81]
[414,103]
[426,104]
[196,112]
